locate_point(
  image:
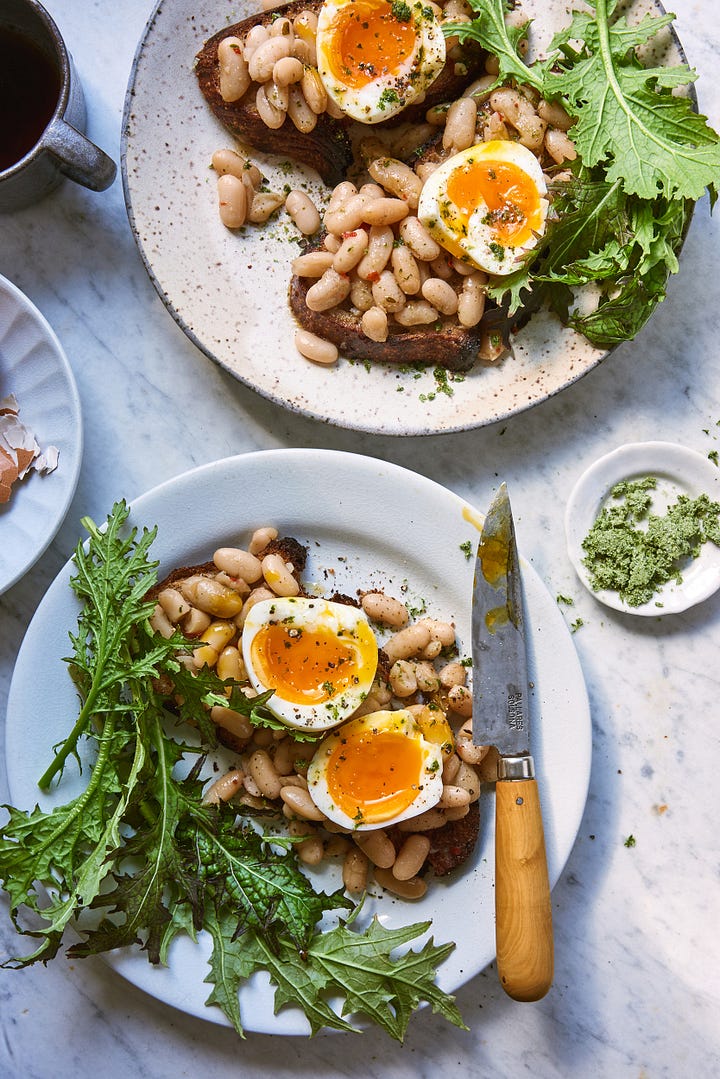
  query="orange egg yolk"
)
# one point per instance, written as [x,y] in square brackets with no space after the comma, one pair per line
[373,777]
[305,666]
[511,197]
[367,41]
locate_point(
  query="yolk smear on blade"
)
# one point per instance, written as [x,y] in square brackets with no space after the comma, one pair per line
[368,41]
[375,776]
[304,665]
[509,193]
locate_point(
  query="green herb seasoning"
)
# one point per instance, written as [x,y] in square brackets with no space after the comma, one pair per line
[634,552]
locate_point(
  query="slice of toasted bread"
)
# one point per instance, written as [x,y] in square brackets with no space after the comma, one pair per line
[444,344]
[328,147]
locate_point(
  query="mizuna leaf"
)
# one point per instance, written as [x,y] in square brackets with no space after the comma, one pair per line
[648,139]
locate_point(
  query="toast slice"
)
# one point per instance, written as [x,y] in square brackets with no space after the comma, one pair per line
[328,147]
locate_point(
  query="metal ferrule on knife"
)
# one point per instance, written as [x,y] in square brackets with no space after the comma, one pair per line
[516,767]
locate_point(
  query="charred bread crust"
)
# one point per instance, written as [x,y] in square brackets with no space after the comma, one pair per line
[454,842]
[445,344]
[327,148]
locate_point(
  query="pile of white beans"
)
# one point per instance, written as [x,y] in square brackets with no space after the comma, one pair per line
[269,776]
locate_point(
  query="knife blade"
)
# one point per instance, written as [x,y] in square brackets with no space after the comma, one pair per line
[501,718]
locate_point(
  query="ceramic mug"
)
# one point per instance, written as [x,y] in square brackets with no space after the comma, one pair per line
[42,111]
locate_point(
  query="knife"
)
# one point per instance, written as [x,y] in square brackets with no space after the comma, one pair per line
[501,717]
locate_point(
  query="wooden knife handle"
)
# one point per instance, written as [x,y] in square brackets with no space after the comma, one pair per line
[523,916]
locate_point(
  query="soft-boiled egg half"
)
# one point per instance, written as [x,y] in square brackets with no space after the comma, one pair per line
[375,57]
[376,770]
[486,204]
[318,656]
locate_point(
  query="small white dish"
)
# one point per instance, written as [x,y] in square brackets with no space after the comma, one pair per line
[679,471]
[34,367]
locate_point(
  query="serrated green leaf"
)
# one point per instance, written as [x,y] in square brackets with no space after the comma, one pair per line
[626,118]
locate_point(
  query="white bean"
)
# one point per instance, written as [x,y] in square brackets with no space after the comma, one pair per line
[386,610]
[312,264]
[441,295]
[402,678]
[313,90]
[224,788]
[418,239]
[303,212]
[411,857]
[384,211]
[287,70]
[397,178]
[234,77]
[263,205]
[278,577]
[374,324]
[387,293]
[417,313]
[299,801]
[351,250]
[407,642]
[302,116]
[380,245]
[264,58]
[262,770]
[260,539]
[559,145]
[330,290]
[471,301]
[377,846]
[238,563]
[232,201]
[405,269]
[315,348]
[270,114]
[224,161]
[459,131]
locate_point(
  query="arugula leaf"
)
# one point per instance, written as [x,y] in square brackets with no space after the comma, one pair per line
[361,969]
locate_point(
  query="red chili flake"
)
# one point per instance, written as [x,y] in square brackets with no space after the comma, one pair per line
[373,276]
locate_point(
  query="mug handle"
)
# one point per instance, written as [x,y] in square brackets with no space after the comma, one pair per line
[78,158]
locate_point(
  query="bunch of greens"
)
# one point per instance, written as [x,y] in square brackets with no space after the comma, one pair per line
[644,158]
[137,858]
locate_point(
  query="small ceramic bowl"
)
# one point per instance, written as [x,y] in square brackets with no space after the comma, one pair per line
[678,471]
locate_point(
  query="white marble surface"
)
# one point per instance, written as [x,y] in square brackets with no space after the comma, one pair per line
[637,989]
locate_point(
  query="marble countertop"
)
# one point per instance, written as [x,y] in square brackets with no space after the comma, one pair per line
[637,985]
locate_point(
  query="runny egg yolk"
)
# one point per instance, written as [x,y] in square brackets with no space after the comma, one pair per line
[304,665]
[511,197]
[374,776]
[366,40]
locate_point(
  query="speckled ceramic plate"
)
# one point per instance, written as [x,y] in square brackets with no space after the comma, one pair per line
[349,544]
[229,292]
[678,471]
[34,368]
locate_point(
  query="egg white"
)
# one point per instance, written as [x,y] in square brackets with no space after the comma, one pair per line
[348,624]
[473,238]
[389,92]
[425,790]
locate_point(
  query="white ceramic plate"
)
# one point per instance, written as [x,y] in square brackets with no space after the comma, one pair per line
[33,366]
[229,292]
[679,471]
[338,502]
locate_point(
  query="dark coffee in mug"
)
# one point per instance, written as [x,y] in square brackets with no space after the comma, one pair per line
[29,90]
